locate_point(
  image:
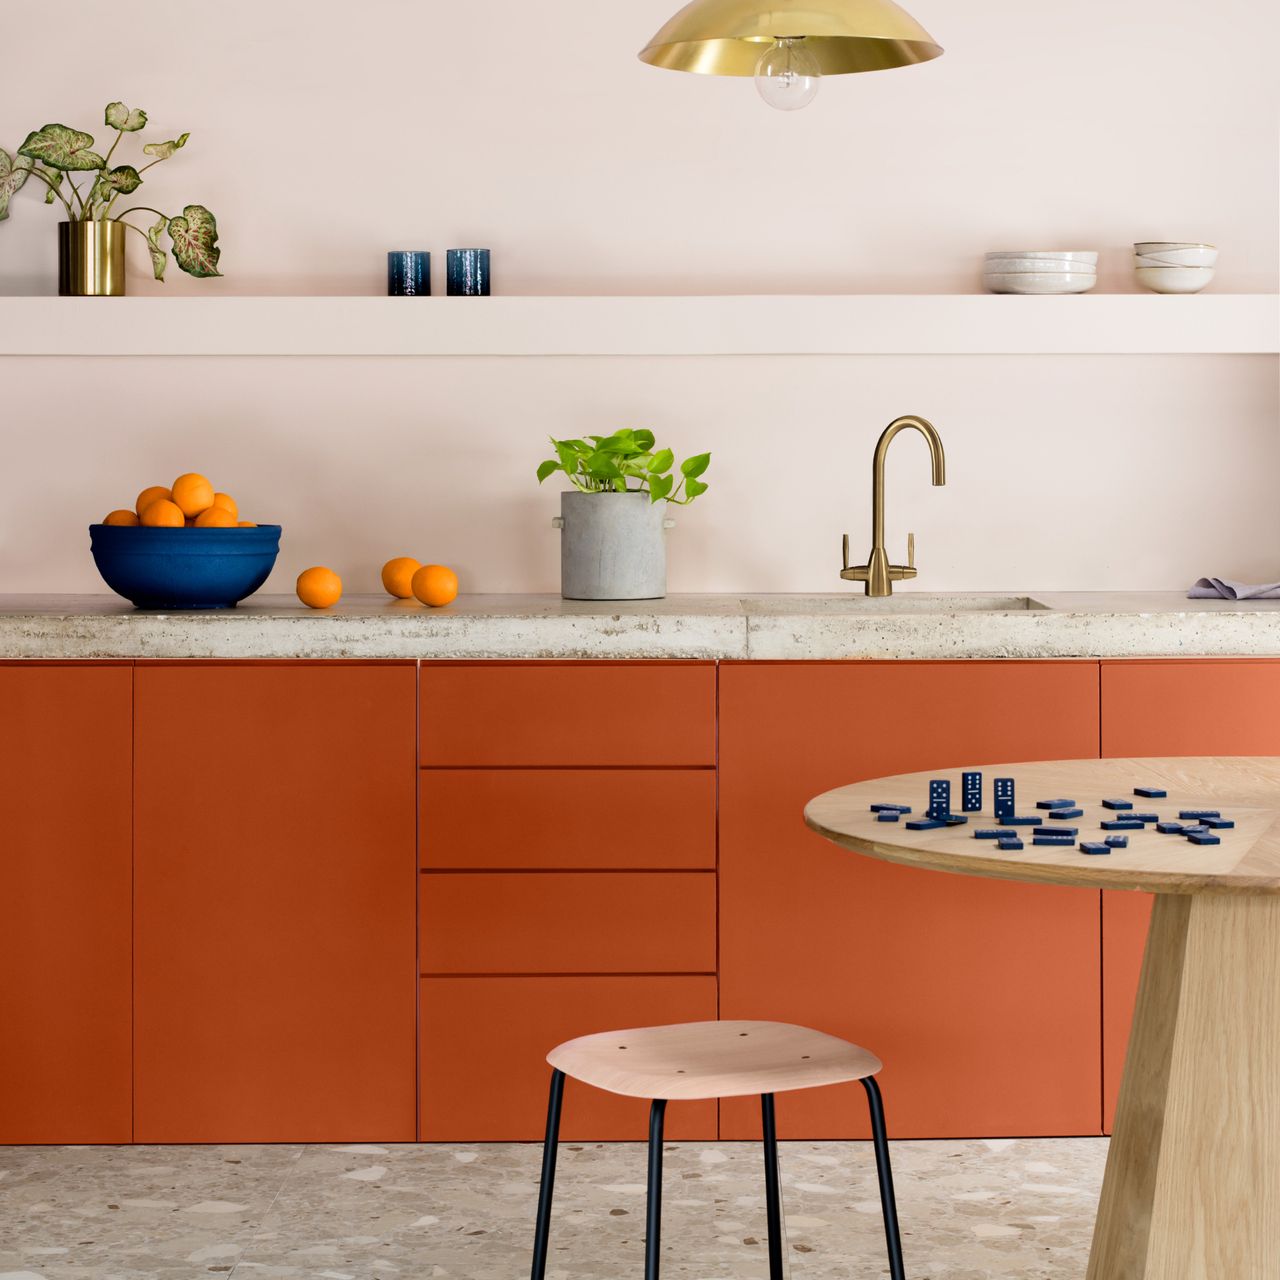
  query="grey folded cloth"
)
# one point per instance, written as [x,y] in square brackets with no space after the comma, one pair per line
[1225,589]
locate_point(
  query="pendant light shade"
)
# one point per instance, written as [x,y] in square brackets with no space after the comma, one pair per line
[727,37]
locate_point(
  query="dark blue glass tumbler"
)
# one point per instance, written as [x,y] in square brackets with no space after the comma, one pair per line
[468,272]
[408,273]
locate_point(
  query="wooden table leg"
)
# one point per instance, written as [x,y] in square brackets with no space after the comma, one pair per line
[1192,1188]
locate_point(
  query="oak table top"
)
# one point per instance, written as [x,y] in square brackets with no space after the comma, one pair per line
[1246,789]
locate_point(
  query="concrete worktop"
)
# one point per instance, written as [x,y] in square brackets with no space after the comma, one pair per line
[909,625]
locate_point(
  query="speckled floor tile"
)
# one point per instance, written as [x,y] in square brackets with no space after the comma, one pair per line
[970,1211]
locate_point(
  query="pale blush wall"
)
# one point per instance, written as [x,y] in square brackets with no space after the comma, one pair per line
[1085,472]
[325,133]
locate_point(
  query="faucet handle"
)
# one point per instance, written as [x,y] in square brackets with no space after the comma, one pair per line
[911,551]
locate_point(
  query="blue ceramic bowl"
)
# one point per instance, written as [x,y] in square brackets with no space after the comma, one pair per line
[184,568]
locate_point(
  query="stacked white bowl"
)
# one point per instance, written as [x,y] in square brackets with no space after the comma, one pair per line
[1040,271]
[1174,266]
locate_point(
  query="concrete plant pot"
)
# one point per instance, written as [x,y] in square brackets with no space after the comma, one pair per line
[613,546]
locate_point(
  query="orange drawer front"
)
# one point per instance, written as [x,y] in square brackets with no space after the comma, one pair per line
[514,819]
[485,1041]
[570,923]
[581,713]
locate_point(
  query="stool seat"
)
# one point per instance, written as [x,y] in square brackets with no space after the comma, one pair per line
[712,1060]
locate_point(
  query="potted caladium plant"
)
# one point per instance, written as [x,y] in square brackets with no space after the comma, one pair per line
[91,240]
[613,521]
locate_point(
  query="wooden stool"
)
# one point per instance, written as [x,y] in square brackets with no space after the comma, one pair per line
[712,1060]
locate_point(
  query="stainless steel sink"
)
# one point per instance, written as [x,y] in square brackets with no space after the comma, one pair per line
[901,602]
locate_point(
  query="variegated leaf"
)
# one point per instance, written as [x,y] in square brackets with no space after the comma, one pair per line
[159,259]
[124,178]
[13,173]
[163,150]
[194,237]
[120,117]
[55,177]
[62,148]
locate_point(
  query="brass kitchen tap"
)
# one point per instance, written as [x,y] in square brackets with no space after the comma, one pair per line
[878,573]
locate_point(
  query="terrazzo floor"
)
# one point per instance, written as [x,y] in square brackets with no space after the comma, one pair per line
[977,1210]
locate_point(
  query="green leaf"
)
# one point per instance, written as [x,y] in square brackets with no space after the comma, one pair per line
[660,487]
[13,173]
[546,468]
[662,461]
[120,117]
[568,455]
[602,466]
[54,176]
[159,259]
[194,237]
[163,150]
[644,439]
[62,148]
[124,178]
[696,465]
[693,488]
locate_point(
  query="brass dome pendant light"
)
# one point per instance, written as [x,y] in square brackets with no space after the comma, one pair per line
[790,44]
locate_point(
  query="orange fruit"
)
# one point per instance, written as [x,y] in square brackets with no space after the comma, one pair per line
[193,493]
[247,524]
[163,514]
[122,517]
[319,587]
[397,576]
[149,495]
[227,503]
[215,518]
[435,584]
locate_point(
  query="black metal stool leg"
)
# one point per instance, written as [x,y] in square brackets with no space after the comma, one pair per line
[653,1219]
[887,1199]
[772,1194]
[542,1233]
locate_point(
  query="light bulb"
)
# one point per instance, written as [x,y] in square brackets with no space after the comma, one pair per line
[787,74]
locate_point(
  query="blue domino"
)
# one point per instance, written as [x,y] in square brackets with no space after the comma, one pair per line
[1170,828]
[1055,804]
[888,815]
[1117,804]
[1010,821]
[1094,849]
[955,820]
[925,824]
[1066,813]
[1207,838]
[1117,842]
[1195,829]
[890,808]
[1199,813]
[1003,798]
[989,833]
[1150,793]
[939,798]
[1010,846]
[1143,817]
[971,792]
[1219,824]
[1122,824]
[1050,842]
[1068,833]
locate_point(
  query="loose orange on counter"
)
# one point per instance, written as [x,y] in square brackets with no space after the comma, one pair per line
[163,514]
[246,524]
[122,517]
[151,494]
[193,493]
[227,503]
[318,587]
[435,584]
[215,518]
[397,576]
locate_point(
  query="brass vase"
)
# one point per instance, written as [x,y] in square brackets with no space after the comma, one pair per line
[91,259]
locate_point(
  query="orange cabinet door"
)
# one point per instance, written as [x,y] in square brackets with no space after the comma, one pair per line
[1204,707]
[575,713]
[484,1055]
[981,996]
[65,886]
[275,920]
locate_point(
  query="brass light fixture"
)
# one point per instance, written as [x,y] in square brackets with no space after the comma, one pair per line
[788,45]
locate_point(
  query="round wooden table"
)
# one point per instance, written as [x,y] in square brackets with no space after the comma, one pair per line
[1192,1187]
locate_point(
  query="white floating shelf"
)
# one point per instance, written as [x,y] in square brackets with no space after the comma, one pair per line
[865,324]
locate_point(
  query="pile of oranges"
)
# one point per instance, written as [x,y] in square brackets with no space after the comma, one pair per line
[404,578]
[189,502]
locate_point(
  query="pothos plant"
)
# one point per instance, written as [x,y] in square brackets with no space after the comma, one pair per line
[626,462]
[54,153]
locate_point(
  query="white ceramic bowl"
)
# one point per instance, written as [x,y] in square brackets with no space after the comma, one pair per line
[1039,281]
[1089,257]
[1201,256]
[1006,265]
[1174,279]
[1159,246]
